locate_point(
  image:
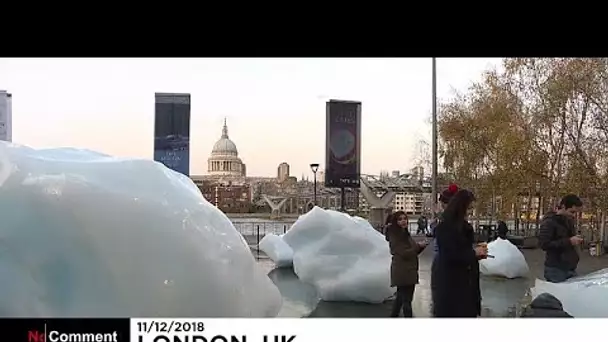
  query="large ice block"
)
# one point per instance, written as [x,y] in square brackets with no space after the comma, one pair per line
[345,258]
[508,261]
[277,250]
[584,296]
[83,234]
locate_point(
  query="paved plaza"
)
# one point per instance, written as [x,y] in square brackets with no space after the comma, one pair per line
[501,297]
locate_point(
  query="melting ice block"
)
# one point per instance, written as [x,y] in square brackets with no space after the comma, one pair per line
[344,257]
[87,235]
[277,250]
[508,261]
[585,296]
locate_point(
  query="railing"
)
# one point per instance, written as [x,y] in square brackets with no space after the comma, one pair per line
[254,231]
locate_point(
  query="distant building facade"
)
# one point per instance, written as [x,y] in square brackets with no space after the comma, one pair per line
[228,188]
[321,177]
[227,197]
[418,172]
[283,172]
[6,116]
[412,192]
[224,160]
[226,185]
[413,203]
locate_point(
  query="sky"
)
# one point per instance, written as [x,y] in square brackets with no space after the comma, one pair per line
[275,108]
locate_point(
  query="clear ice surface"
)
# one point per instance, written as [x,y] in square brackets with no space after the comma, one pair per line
[343,257]
[585,296]
[83,234]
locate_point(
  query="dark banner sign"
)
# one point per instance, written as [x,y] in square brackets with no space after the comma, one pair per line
[343,144]
[172,131]
[65,330]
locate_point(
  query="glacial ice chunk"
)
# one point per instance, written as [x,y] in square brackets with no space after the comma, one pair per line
[584,296]
[345,258]
[508,261]
[277,250]
[83,234]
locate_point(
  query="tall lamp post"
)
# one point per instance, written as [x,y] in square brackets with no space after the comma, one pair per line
[314,168]
[434,137]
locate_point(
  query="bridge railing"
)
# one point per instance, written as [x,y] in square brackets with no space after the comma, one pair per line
[253,232]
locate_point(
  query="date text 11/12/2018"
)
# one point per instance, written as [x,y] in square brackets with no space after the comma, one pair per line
[216,338]
[170,327]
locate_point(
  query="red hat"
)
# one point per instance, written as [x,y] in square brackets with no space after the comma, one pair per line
[447,194]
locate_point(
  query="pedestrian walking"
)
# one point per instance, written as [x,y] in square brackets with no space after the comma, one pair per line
[404,263]
[558,238]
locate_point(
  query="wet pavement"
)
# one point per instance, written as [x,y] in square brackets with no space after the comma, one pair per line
[500,297]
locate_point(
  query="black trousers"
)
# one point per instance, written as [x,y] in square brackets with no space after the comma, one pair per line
[405,295]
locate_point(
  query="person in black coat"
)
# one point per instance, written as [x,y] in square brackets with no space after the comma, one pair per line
[386,226]
[455,270]
[502,230]
[545,306]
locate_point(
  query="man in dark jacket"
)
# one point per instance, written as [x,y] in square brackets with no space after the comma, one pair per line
[545,306]
[558,239]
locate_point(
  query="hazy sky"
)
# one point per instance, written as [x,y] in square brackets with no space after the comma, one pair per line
[275,107]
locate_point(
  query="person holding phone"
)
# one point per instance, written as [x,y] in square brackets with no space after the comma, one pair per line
[404,263]
[455,270]
[558,238]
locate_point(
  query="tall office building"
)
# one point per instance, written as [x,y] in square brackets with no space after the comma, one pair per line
[172,131]
[283,172]
[6,116]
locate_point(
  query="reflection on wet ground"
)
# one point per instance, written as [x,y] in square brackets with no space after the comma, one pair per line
[299,298]
[501,297]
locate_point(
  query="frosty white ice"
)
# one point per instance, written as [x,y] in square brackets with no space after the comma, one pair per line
[508,261]
[277,250]
[87,235]
[344,257]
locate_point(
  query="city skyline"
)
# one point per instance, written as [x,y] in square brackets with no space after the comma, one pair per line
[275,107]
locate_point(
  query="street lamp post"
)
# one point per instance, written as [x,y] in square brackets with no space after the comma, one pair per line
[434,137]
[314,167]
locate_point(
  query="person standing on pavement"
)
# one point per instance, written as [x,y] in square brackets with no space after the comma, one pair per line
[387,223]
[558,238]
[404,264]
[444,198]
[422,225]
[455,271]
[502,230]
